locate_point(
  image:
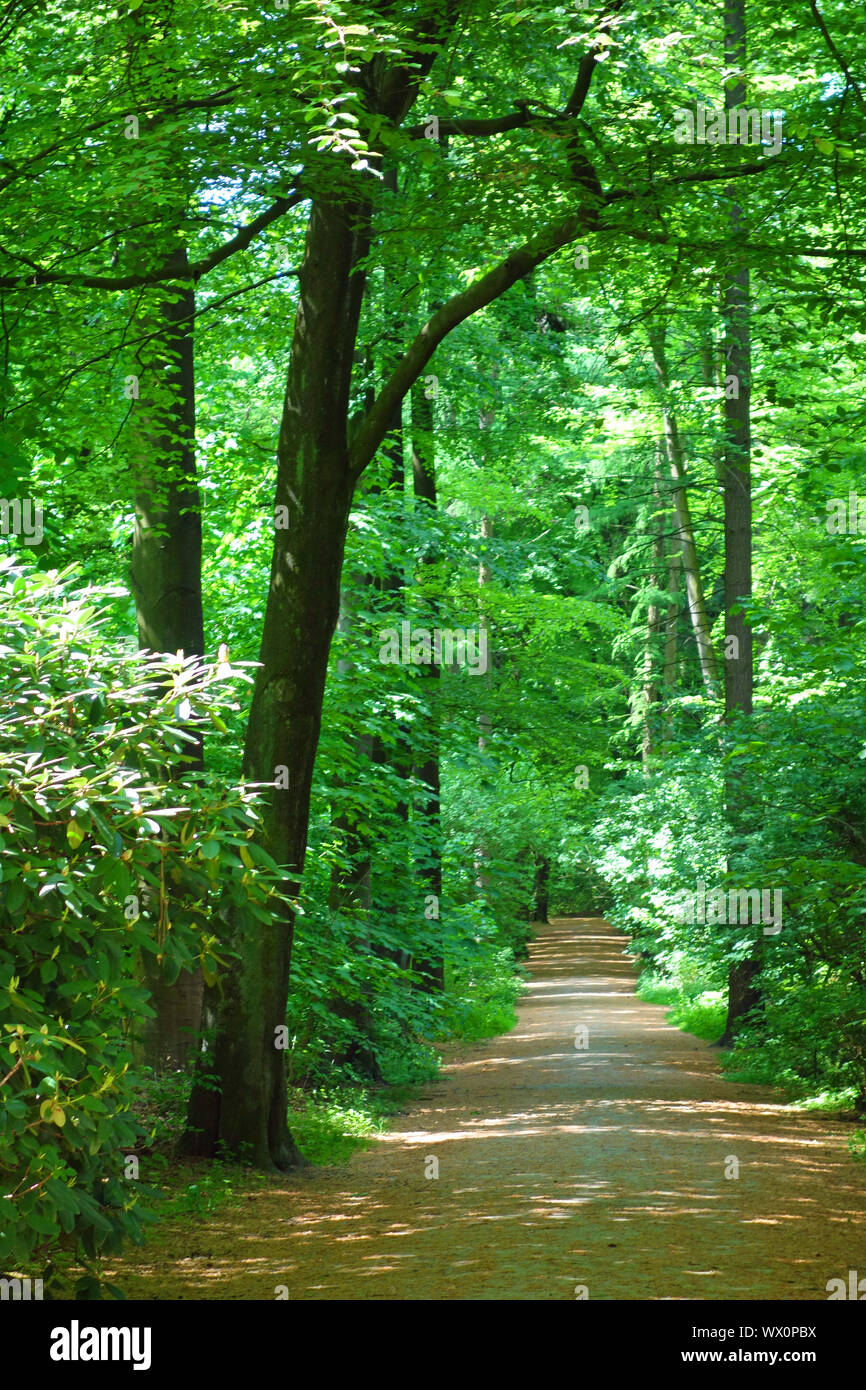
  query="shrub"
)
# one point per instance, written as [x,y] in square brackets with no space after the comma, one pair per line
[99,868]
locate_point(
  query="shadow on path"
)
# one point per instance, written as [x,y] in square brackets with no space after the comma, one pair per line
[558,1167]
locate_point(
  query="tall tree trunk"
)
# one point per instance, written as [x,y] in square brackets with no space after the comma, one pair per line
[396,756]
[165,570]
[482,875]
[671,624]
[431,969]
[541,889]
[244,1107]
[743,994]
[165,573]
[166,549]
[683,519]
[350,888]
[239,1100]
[653,620]
[710,378]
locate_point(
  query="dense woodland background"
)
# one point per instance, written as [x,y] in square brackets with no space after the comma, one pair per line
[321,318]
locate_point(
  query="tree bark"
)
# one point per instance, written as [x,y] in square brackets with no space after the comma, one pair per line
[482,853]
[671,624]
[683,521]
[669,674]
[246,1111]
[396,756]
[239,1100]
[651,692]
[431,969]
[166,549]
[541,889]
[743,994]
[165,575]
[165,569]
[351,889]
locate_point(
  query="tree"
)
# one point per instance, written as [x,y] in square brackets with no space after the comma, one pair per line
[323,450]
[743,994]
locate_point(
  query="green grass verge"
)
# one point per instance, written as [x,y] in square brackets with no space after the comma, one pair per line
[701,1012]
[329,1127]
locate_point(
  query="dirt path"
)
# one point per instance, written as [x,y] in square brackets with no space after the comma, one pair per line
[558,1167]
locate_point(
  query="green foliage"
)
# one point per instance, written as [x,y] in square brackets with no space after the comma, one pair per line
[591,740]
[329,1127]
[698,1011]
[483,989]
[857,1145]
[662,833]
[99,868]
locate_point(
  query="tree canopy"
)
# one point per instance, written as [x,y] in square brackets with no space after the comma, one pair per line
[428,502]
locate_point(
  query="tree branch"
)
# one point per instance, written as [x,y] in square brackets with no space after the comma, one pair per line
[580,91]
[518,120]
[757,166]
[764,248]
[519,262]
[516,264]
[19,171]
[130,282]
[480,125]
[849,76]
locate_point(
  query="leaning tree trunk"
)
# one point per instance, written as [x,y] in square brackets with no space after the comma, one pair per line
[743,995]
[243,1103]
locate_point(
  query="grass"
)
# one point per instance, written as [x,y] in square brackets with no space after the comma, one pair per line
[482,1006]
[329,1122]
[701,1012]
[756,1067]
[329,1126]
[194,1187]
[857,1145]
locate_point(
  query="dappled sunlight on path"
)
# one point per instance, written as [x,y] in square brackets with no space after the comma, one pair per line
[559,1165]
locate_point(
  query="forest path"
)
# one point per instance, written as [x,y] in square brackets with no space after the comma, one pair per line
[558,1167]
